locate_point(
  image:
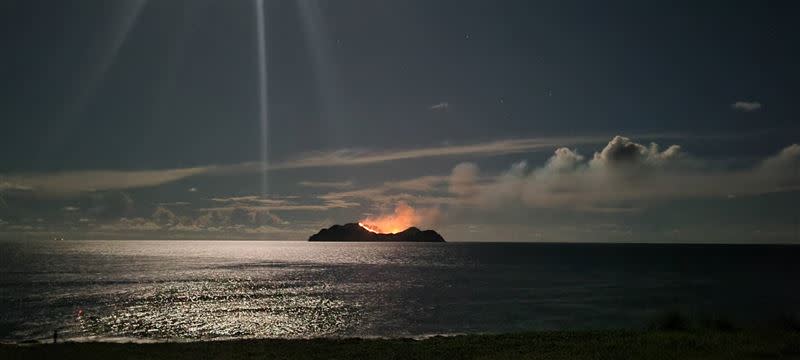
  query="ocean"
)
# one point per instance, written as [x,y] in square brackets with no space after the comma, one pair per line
[203,290]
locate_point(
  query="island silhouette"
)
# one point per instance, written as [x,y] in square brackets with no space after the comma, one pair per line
[357,232]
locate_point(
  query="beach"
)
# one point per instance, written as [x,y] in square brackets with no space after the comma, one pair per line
[535,345]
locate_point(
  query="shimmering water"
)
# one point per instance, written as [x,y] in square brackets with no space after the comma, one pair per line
[220,289]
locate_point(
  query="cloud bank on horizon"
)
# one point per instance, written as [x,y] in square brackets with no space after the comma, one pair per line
[620,179]
[74,182]
[623,176]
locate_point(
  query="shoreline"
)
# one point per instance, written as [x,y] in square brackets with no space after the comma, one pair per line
[704,344]
[137,340]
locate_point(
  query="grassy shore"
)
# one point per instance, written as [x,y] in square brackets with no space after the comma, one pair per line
[536,345]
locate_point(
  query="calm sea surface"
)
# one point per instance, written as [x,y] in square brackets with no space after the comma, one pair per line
[222,289]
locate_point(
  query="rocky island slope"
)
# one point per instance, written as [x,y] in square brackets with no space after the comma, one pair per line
[355,232]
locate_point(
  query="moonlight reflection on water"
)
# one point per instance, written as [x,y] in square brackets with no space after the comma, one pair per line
[158,290]
[225,308]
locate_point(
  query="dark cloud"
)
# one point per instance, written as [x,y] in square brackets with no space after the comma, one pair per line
[746,106]
[442,106]
[113,204]
[327,184]
[623,151]
[164,217]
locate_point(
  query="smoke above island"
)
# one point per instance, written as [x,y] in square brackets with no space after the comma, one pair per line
[403,217]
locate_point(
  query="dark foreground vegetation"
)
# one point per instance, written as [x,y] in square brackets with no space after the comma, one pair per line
[536,345]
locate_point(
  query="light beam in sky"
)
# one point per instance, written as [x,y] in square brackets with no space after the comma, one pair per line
[123,19]
[262,93]
[123,24]
[317,38]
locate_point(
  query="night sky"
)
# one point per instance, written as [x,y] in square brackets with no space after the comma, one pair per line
[487,121]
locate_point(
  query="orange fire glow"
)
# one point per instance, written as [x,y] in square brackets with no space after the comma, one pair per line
[369,228]
[404,217]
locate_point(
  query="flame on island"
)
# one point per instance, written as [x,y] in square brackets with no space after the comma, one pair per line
[403,217]
[369,228]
